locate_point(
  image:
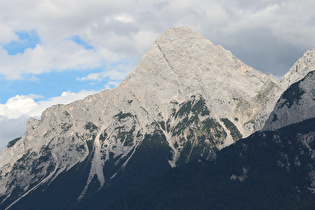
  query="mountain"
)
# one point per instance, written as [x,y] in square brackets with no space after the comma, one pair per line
[267,170]
[187,99]
[298,71]
[271,169]
[296,104]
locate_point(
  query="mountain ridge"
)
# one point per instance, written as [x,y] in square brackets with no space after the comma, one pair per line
[297,72]
[299,98]
[186,96]
[272,168]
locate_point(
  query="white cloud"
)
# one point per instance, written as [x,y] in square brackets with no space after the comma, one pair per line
[111,84]
[113,76]
[17,110]
[92,77]
[63,55]
[20,105]
[7,35]
[124,18]
[268,35]
[122,29]
[11,129]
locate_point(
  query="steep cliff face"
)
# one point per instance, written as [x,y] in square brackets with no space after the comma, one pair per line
[297,72]
[295,105]
[187,99]
[181,63]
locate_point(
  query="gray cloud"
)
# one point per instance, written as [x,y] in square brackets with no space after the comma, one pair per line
[267,34]
[11,129]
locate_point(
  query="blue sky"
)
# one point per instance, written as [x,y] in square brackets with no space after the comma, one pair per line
[63,50]
[27,39]
[47,84]
[51,84]
[77,39]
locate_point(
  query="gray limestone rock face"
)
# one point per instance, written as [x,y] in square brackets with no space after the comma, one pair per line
[182,63]
[296,104]
[297,72]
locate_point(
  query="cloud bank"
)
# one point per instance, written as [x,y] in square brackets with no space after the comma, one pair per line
[265,34]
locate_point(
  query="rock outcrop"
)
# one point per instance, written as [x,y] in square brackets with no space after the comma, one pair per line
[297,72]
[295,105]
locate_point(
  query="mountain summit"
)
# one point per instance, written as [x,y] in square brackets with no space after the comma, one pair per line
[182,63]
[297,72]
[187,99]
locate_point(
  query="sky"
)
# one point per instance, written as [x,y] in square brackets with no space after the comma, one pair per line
[59,51]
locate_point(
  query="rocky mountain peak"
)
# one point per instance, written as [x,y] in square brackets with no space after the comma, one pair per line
[180,34]
[300,69]
[186,99]
[182,63]
[297,72]
[296,104]
[182,42]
